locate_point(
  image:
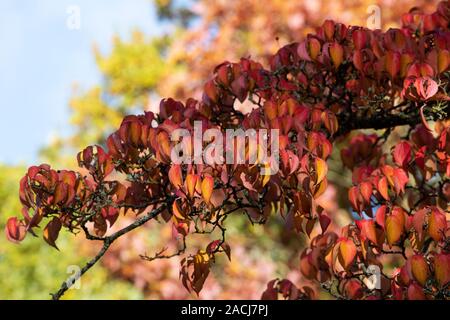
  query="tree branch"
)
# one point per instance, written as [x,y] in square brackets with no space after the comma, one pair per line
[384,119]
[107,241]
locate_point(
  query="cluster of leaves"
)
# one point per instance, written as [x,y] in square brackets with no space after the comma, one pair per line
[336,80]
[43,265]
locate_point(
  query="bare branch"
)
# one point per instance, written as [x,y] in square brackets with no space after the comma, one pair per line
[107,241]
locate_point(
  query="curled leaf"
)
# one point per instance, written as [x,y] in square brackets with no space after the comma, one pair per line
[15,230]
[51,231]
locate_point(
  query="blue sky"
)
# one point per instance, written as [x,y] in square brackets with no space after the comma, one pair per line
[41,58]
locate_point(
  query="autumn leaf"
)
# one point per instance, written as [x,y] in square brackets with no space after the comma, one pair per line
[368,230]
[191,181]
[15,230]
[394,229]
[383,188]
[419,269]
[347,252]
[175,175]
[442,268]
[207,187]
[337,54]
[321,169]
[51,231]
[402,153]
[437,224]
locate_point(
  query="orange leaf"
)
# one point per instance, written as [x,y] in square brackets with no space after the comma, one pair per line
[394,229]
[207,187]
[191,181]
[347,250]
[270,110]
[211,91]
[419,268]
[175,175]
[353,289]
[330,121]
[393,63]
[366,191]
[443,60]
[437,224]
[320,189]
[337,54]
[353,198]
[328,28]
[321,169]
[380,216]
[442,268]
[177,210]
[383,188]
[314,47]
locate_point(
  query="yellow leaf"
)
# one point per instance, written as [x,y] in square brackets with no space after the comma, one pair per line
[321,169]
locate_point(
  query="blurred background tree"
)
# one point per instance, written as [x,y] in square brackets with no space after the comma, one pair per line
[136,73]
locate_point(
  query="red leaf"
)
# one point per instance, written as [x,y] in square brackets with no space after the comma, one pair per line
[419,268]
[415,292]
[51,232]
[353,289]
[15,230]
[367,228]
[443,60]
[324,222]
[207,187]
[402,153]
[426,87]
[394,229]
[307,267]
[400,179]
[366,191]
[383,188]
[211,91]
[353,195]
[359,39]
[419,221]
[381,216]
